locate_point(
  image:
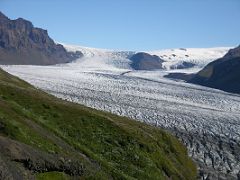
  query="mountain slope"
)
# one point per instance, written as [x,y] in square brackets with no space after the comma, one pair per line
[44,137]
[223,73]
[21,43]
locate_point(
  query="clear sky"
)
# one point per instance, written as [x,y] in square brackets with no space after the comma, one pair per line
[133,24]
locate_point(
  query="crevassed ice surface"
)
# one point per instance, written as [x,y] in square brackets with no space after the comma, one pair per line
[206,120]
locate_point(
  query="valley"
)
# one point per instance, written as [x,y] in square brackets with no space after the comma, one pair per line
[206,120]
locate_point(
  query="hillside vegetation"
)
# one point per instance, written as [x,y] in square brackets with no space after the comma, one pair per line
[44,137]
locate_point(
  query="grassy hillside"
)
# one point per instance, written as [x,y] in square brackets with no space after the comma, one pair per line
[44,137]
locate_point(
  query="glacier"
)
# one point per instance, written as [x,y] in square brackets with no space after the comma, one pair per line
[206,120]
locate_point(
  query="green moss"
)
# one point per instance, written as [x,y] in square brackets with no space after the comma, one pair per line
[52,176]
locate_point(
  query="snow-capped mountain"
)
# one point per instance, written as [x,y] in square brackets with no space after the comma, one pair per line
[196,56]
[182,58]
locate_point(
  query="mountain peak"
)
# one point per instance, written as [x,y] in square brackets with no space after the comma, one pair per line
[3,17]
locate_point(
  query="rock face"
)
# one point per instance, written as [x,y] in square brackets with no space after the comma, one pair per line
[22,43]
[145,61]
[223,73]
[182,65]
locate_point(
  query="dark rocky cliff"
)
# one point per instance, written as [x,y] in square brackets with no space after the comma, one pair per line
[22,43]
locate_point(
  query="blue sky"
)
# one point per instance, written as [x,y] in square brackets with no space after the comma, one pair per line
[133,24]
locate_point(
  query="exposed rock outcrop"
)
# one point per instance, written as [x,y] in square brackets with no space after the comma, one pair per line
[13,153]
[145,61]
